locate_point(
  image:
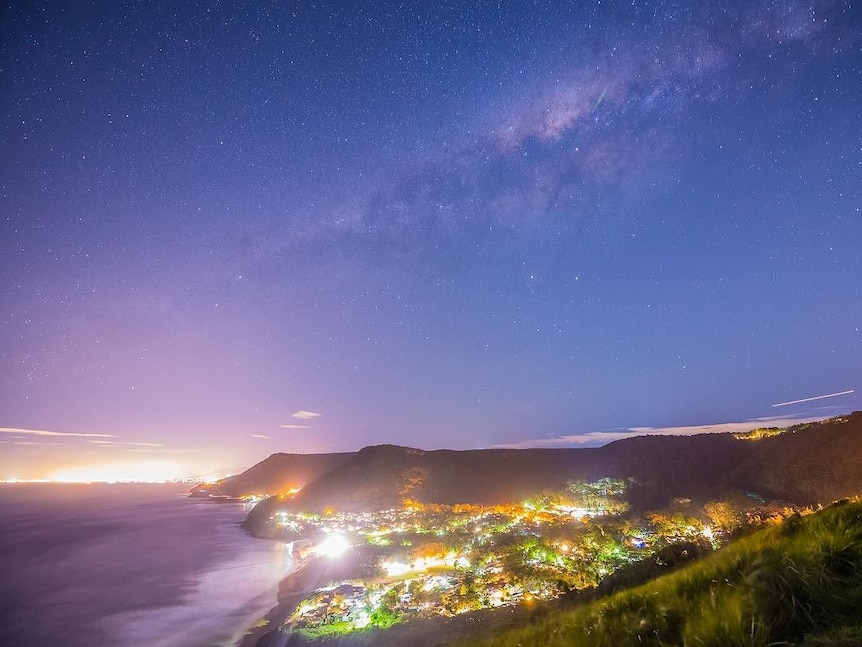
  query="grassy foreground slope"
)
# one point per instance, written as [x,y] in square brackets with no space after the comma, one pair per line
[799,583]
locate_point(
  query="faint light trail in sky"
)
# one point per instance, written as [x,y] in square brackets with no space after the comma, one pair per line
[816,397]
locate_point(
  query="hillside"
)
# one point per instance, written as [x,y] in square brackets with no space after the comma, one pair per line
[795,584]
[810,463]
[817,462]
[667,467]
[381,477]
[276,474]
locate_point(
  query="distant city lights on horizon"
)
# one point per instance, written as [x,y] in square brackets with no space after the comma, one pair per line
[119,472]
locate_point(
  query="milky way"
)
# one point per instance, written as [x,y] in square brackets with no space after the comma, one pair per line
[233,231]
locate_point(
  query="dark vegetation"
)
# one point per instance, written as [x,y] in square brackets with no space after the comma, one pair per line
[811,463]
[277,474]
[807,464]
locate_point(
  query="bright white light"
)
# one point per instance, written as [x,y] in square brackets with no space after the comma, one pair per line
[333,546]
[363,620]
[707,532]
[394,569]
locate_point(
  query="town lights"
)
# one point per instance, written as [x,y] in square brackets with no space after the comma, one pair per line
[334,545]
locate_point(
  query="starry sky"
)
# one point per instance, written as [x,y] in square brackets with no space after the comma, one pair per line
[230,229]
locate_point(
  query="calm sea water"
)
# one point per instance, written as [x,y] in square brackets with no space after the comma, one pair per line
[129,565]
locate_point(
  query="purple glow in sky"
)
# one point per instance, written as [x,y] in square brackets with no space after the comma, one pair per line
[230,231]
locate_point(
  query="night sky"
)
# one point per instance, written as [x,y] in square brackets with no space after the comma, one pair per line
[235,229]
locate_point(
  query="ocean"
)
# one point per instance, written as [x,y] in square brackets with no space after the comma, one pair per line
[129,565]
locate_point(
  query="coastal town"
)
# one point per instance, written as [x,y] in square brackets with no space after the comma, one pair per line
[423,560]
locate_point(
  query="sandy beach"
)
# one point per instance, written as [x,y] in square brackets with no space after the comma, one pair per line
[313,573]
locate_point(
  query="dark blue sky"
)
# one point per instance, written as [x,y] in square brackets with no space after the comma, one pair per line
[433,224]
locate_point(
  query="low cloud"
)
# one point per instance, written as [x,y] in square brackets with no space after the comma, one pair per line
[305,415]
[32,442]
[599,438]
[120,443]
[43,432]
[161,450]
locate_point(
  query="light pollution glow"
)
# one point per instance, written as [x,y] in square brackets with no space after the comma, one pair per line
[137,471]
[118,473]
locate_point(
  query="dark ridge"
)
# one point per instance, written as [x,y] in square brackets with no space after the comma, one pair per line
[667,467]
[807,464]
[382,477]
[277,474]
[811,463]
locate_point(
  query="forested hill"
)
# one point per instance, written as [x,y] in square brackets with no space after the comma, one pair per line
[811,463]
[804,464]
[277,474]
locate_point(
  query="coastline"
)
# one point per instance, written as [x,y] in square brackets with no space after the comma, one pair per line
[312,573]
[256,624]
[291,590]
[318,572]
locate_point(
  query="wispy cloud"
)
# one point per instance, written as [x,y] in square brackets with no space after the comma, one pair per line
[43,432]
[32,442]
[262,436]
[305,415]
[293,426]
[160,450]
[122,443]
[137,447]
[598,438]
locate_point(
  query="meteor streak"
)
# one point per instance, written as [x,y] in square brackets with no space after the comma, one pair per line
[601,98]
[816,397]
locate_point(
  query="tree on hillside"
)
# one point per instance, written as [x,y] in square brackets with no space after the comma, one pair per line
[724,515]
[604,496]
